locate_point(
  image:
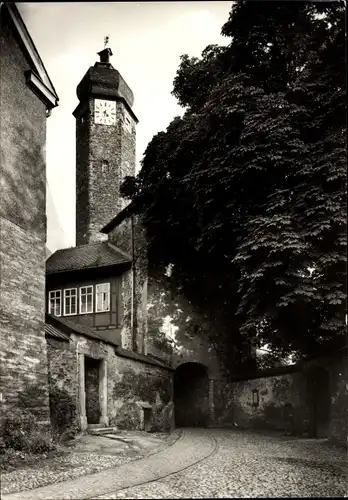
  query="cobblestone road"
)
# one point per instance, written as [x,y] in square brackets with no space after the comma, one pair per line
[254,465]
[215,464]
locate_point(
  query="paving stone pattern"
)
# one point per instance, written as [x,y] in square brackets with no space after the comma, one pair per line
[255,465]
[217,464]
[190,448]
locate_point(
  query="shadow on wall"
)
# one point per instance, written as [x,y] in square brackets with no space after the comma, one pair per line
[62,409]
[131,391]
[319,393]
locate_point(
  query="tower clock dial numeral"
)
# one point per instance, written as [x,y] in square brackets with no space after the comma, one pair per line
[104,112]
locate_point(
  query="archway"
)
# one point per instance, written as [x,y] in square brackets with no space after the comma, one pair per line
[320,401]
[191,395]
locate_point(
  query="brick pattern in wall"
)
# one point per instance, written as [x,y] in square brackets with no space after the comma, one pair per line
[22,233]
[22,140]
[22,341]
[63,382]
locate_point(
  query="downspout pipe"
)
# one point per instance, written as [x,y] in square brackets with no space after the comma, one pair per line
[134,325]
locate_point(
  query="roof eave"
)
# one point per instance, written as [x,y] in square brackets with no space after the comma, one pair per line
[40,80]
[119,218]
[70,328]
[70,270]
[40,89]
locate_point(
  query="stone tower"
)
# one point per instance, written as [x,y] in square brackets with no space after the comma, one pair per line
[105,147]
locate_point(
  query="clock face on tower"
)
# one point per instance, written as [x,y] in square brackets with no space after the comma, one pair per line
[104,112]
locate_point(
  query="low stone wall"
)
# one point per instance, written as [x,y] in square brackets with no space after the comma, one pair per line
[136,388]
[279,403]
[139,392]
[300,402]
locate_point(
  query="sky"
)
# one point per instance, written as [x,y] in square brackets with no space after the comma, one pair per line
[147,39]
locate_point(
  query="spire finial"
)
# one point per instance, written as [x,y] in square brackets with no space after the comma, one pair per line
[105,53]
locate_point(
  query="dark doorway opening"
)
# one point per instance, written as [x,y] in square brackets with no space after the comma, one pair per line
[321,402]
[191,395]
[147,419]
[92,368]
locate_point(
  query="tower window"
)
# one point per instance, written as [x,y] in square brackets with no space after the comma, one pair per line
[255,397]
[54,302]
[86,299]
[70,301]
[105,166]
[102,297]
[127,123]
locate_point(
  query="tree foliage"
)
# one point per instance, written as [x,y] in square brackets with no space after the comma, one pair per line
[245,194]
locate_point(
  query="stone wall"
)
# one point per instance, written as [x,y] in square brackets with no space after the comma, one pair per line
[135,386]
[300,402]
[339,400]
[168,327]
[282,404]
[121,237]
[173,324]
[337,369]
[132,385]
[22,234]
[104,156]
[63,383]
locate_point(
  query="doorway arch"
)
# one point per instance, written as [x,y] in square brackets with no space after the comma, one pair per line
[319,386]
[191,395]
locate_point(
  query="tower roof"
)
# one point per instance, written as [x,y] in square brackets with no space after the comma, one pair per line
[104,80]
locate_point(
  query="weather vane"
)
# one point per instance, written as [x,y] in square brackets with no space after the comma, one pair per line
[106,41]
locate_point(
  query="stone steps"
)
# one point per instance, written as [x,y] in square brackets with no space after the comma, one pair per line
[100,431]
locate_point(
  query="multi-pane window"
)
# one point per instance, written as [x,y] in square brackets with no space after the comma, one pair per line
[86,299]
[102,297]
[70,301]
[55,302]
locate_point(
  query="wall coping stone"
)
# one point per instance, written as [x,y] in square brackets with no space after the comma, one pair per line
[141,357]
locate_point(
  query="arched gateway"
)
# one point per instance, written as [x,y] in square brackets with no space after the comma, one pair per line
[191,395]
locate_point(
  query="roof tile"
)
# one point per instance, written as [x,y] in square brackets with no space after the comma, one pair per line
[54,332]
[78,328]
[72,327]
[92,255]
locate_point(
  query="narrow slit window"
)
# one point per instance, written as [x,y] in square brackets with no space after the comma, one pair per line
[55,302]
[255,397]
[105,166]
[127,123]
[70,301]
[86,299]
[102,297]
